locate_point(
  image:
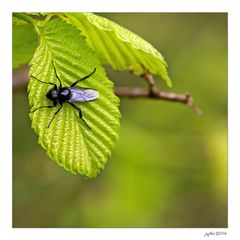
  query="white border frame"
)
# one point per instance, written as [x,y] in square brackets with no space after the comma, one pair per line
[7,7]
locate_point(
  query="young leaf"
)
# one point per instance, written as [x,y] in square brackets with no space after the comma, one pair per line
[24,43]
[119,47]
[68,141]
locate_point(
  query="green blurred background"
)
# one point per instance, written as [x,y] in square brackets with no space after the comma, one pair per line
[169,166]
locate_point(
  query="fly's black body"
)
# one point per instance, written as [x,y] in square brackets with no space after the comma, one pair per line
[68,95]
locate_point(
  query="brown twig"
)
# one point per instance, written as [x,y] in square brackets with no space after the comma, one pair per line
[20,79]
[154,92]
[125,92]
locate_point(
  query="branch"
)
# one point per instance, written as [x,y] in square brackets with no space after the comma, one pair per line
[125,92]
[154,93]
[20,79]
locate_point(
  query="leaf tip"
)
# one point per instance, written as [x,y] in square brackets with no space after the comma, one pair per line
[168,81]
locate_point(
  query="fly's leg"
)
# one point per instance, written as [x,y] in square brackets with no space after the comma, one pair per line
[56,74]
[55,86]
[55,114]
[75,83]
[80,113]
[34,110]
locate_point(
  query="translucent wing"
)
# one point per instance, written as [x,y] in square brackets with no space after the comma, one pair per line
[83,94]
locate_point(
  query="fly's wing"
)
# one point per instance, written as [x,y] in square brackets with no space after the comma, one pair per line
[83,94]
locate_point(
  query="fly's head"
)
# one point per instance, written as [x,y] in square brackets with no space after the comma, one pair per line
[52,94]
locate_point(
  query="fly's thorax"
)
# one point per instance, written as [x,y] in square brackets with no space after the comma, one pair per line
[64,94]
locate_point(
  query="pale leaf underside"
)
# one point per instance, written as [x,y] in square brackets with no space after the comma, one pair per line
[119,47]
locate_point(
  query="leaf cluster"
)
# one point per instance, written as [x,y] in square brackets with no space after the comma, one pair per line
[77,43]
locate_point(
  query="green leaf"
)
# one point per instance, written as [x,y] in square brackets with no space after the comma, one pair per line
[68,141]
[24,43]
[119,47]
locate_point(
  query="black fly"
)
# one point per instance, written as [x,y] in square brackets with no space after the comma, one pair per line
[68,95]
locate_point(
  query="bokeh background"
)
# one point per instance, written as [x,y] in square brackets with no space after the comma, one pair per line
[169,166]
